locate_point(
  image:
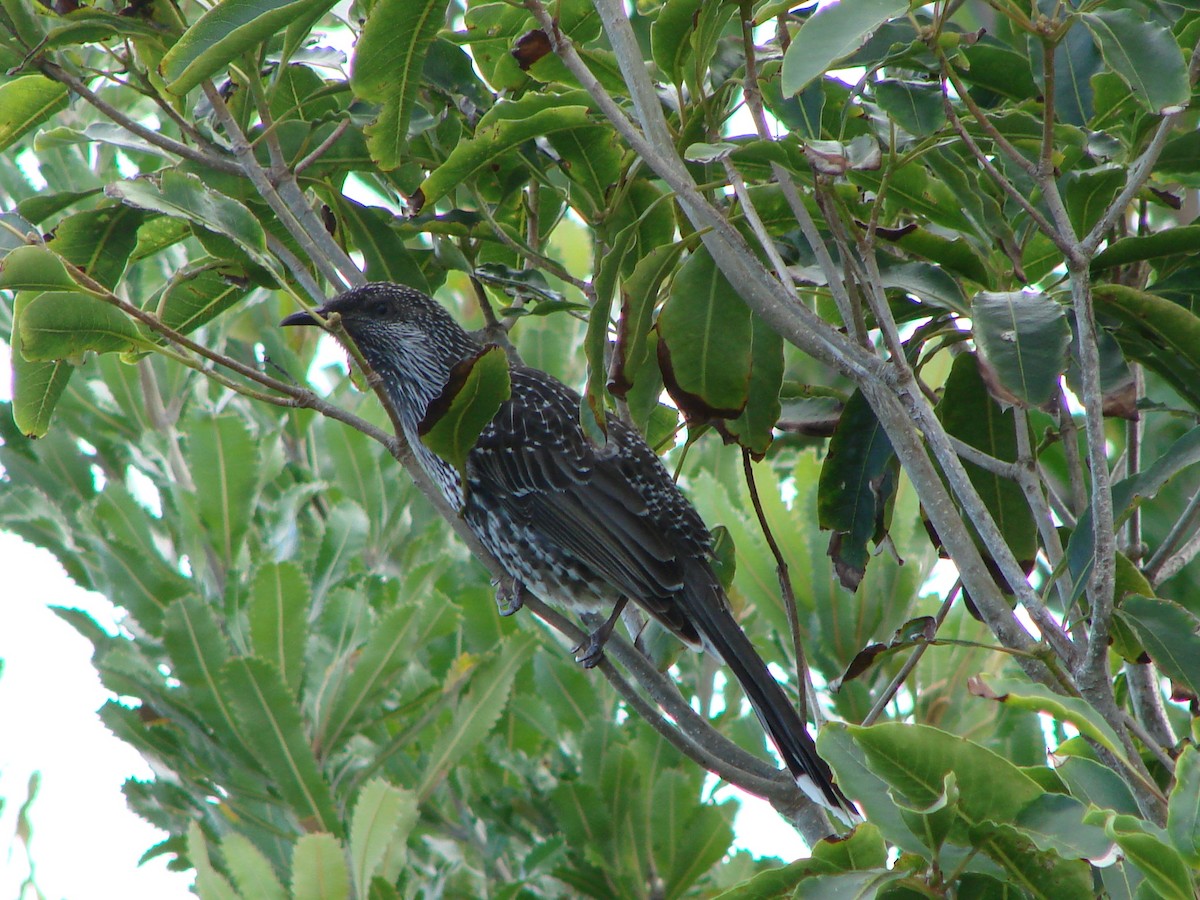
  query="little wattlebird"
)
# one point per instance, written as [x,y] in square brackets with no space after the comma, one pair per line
[581,526]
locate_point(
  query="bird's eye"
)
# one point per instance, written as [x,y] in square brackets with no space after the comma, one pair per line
[378,308]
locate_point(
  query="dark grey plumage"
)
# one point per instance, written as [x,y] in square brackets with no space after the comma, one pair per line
[580,526]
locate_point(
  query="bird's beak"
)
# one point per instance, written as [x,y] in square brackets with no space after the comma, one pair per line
[304,317]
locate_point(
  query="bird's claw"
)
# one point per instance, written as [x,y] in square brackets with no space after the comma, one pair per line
[508,596]
[591,648]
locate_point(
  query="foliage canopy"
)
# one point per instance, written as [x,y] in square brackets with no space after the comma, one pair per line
[942,302]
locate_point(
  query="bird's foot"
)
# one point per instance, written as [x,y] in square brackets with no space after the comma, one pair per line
[590,650]
[508,596]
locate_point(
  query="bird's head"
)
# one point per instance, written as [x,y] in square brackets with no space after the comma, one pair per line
[406,336]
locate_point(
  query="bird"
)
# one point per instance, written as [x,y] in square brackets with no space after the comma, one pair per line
[581,525]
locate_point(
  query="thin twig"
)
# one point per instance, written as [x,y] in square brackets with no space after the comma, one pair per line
[210,158]
[787,593]
[900,677]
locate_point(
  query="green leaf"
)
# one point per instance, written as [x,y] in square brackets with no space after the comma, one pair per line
[224,459]
[1024,337]
[198,650]
[66,324]
[224,33]
[34,268]
[970,414]
[198,294]
[858,482]
[1087,195]
[37,387]
[670,35]
[1055,822]
[1145,55]
[1170,242]
[388,61]
[27,102]
[1169,633]
[504,128]
[1039,698]
[278,617]
[1166,872]
[1038,874]
[590,157]
[706,342]
[755,427]
[319,869]
[251,870]
[914,760]
[1096,785]
[1127,495]
[830,34]
[639,295]
[210,884]
[99,241]
[271,725]
[385,257]
[916,106]
[186,196]
[1160,334]
[474,393]
[378,664]
[1183,806]
[477,712]
[383,817]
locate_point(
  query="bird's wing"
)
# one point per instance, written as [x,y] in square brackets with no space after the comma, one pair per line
[611,508]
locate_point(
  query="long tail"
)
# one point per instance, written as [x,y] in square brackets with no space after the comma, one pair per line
[705,605]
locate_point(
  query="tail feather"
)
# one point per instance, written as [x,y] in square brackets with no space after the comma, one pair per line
[705,607]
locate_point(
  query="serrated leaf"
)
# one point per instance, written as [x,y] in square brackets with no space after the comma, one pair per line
[198,651]
[27,102]
[67,324]
[388,61]
[278,617]
[210,884]
[271,725]
[474,393]
[224,33]
[477,712]
[383,816]
[830,34]
[224,459]
[319,869]
[1024,337]
[251,870]
[376,666]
